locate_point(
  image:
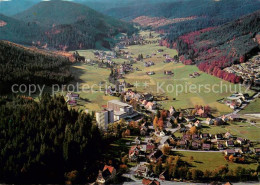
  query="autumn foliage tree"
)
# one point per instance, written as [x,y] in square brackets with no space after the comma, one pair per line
[155,121]
[193,130]
[160,123]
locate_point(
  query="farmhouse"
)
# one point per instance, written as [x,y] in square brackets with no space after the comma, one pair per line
[195,145]
[209,121]
[134,153]
[150,73]
[219,136]
[183,144]
[72,102]
[150,106]
[205,146]
[155,156]
[148,64]
[150,147]
[229,152]
[205,136]
[195,137]
[257,151]
[240,141]
[168,72]
[245,150]
[72,96]
[108,174]
[230,143]
[228,135]
[220,146]
[141,171]
[197,124]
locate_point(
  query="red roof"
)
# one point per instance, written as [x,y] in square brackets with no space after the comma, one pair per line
[110,168]
[149,181]
[132,149]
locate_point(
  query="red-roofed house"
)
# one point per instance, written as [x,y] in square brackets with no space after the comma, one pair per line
[108,173]
[150,182]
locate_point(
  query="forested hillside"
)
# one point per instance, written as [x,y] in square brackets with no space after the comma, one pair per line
[62,25]
[21,65]
[106,5]
[200,14]
[42,141]
[215,48]
[18,31]
[176,9]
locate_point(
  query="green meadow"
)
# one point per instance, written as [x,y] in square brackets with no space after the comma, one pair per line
[211,161]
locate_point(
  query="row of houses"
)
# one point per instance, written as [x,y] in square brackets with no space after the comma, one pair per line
[206,141]
[249,71]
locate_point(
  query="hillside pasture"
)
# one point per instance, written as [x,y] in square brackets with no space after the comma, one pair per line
[91,91]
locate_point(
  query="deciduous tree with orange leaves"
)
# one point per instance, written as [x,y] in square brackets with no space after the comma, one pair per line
[155,121]
[160,123]
[193,130]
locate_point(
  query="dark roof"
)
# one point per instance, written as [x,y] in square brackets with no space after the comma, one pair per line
[205,145]
[106,174]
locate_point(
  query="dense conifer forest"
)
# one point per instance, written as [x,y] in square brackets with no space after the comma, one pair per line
[41,141]
[21,65]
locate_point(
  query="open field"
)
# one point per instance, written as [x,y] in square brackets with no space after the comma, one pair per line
[244,130]
[253,107]
[89,78]
[210,160]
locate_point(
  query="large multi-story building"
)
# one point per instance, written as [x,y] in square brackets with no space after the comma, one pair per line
[121,110]
[104,117]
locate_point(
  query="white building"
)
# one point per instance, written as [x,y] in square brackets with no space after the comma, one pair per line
[121,110]
[104,117]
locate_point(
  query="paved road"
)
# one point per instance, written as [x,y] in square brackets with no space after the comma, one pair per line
[198,151]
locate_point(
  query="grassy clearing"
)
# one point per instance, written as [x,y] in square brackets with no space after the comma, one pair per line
[89,77]
[252,108]
[119,147]
[147,34]
[210,161]
[244,130]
